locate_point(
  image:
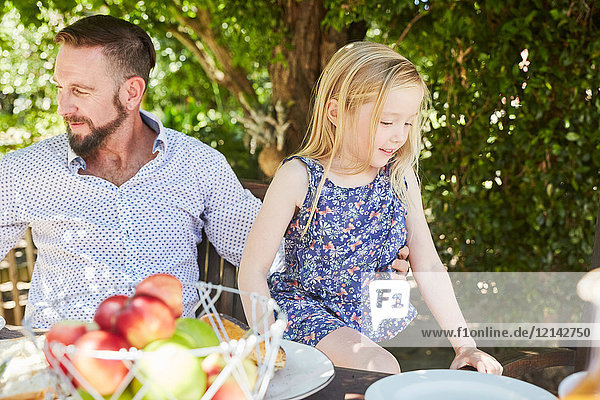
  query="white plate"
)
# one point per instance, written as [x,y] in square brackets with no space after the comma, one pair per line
[2,322]
[448,384]
[306,371]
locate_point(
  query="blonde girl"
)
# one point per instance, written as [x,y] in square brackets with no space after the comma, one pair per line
[345,205]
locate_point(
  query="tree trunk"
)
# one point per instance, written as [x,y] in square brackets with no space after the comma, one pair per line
[311,47]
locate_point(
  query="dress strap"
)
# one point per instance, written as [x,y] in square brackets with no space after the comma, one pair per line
[315,170]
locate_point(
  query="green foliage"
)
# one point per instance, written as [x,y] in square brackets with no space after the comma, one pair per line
[186,100]
[26,97]
[510,165]
[179,90]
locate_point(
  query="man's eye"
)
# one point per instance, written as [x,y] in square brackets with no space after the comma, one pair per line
[78,92]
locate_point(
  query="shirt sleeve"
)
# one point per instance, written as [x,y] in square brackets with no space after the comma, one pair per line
[229,212]
[11,229]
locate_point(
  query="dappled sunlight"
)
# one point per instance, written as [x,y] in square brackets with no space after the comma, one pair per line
[524,64]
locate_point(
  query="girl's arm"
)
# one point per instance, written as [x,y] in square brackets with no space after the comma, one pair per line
[436,287]
[285,194]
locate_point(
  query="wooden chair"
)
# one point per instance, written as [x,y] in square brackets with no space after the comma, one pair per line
[217,270]
[521,362]
[16,274]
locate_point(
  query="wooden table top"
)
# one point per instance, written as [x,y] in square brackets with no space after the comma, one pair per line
[11,332]
[348,384]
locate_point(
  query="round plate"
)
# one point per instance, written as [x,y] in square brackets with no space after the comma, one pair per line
[306,371]
[452,384]
[2,322]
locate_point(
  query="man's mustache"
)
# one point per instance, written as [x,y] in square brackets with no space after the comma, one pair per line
[69,120]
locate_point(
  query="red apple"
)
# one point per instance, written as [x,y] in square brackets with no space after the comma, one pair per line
[165,287]
[214,363]
[145,319]
[107,311]
[104,375]
[229,390]
[65,332]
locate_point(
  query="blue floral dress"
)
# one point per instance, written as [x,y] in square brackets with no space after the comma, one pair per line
[354,234]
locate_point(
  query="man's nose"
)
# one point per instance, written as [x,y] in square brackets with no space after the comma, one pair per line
[65,105]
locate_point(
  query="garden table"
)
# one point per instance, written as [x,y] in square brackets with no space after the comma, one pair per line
[348,384]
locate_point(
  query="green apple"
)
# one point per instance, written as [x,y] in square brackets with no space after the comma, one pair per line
[199,331]
[170,370]
[183,339]
[126,395]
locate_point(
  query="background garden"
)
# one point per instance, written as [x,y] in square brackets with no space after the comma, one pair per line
[510,164]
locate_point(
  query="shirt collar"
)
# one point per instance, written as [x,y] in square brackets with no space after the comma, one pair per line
[160,143]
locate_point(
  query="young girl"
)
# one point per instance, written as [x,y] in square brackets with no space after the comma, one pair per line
[345,204]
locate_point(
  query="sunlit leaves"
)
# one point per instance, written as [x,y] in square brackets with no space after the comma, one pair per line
[510,164]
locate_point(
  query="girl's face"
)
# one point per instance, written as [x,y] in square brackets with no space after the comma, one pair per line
[399,112]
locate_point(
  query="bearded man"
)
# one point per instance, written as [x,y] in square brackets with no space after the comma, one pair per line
[118,197]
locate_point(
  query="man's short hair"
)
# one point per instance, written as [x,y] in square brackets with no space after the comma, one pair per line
[127,47]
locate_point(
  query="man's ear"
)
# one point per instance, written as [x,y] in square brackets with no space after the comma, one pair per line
[132,92]
[332,111]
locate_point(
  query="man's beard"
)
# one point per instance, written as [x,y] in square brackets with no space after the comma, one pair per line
[98,135]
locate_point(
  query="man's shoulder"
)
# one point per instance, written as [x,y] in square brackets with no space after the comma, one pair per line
[192,147]
[41,153]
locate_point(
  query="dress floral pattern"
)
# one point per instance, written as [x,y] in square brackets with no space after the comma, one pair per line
[354,234]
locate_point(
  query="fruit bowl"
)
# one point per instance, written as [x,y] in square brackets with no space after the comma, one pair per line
[206,357]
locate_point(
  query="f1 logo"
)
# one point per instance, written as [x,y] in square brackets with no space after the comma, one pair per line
[389,299]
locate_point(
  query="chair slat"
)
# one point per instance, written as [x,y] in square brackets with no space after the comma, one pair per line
[29,253]
[2,312]
[14,278]
[228,280]
[524,362]
[217,270]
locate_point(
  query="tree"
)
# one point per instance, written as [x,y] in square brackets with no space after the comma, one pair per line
[510,180]
[266,54]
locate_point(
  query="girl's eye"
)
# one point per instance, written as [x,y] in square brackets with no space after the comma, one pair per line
[386,123]
[408,124]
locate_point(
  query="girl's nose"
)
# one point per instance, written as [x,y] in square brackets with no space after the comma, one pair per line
[397,136]
[400,135]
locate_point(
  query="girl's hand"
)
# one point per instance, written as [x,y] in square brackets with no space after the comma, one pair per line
[476,358]
[401,265]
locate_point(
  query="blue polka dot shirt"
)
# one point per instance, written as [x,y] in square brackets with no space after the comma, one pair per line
[95,239]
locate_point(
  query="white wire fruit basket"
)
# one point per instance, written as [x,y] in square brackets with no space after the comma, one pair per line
[239,366]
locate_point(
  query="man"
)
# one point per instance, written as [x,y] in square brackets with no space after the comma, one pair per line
[118,197]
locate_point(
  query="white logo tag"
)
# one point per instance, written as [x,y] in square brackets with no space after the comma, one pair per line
[388,299]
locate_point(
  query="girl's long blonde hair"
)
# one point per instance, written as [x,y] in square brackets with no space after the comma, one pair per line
[357,74]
